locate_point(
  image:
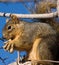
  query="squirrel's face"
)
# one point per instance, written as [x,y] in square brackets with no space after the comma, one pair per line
[10,29]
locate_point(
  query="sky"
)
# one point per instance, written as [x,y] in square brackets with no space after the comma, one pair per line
[9,8]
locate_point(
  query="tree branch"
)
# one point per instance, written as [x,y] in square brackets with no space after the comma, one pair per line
[16,0]
[36,61]
[3,60]
[46,15]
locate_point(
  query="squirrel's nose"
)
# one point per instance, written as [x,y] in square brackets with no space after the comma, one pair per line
[3,35]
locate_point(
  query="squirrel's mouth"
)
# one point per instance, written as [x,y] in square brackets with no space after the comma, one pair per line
[10,39]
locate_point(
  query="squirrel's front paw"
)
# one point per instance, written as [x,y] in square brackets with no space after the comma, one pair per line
[9,46]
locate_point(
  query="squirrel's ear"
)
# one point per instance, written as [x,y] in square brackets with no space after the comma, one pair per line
[14,18]
[7,20]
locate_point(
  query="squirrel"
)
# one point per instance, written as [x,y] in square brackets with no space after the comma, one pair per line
[36,38]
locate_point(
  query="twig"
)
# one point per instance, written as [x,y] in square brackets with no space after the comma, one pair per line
[43,61]
[2,39]
[3,60]
[36,61]
[18,59]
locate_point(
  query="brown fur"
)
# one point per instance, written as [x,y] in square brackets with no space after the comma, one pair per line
[38,39]
[45,7]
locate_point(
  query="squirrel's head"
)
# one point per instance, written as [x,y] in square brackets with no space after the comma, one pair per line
[10,30]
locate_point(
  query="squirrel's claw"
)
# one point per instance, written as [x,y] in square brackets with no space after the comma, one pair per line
[5,46]
[11,50]
[9,47]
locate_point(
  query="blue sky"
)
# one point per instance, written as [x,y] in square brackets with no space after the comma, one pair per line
[10,8]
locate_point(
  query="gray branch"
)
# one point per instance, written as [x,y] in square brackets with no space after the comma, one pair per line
[46,15]
[16,0]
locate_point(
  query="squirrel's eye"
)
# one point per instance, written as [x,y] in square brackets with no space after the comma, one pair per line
[9,27]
